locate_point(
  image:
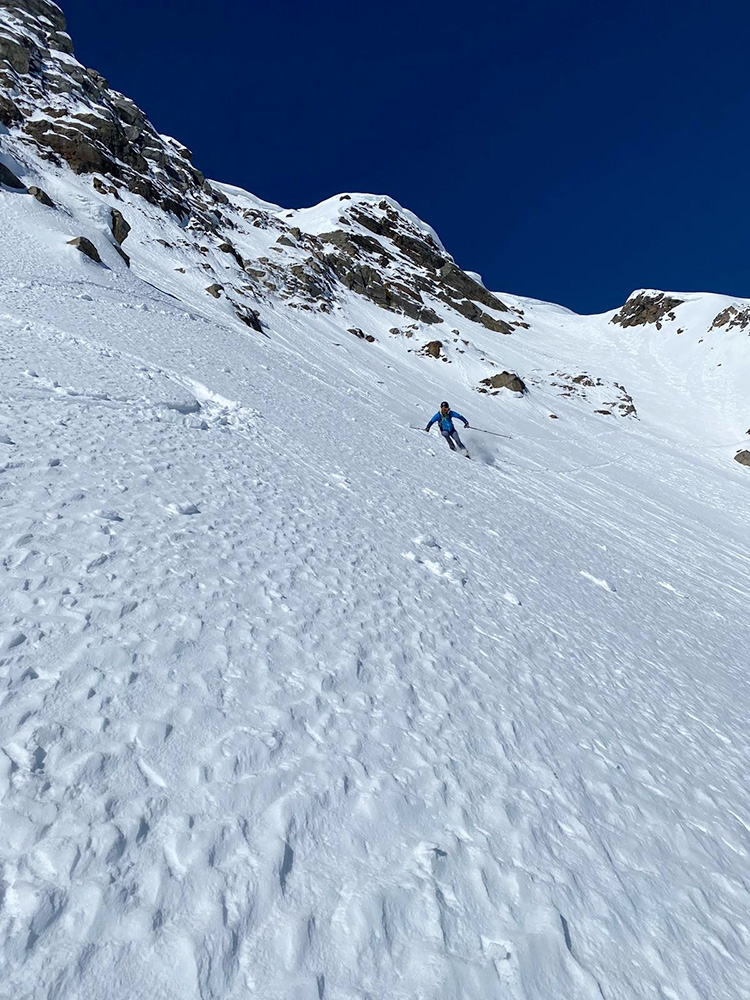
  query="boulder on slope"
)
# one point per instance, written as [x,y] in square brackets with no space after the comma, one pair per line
[86,247]
[503,380]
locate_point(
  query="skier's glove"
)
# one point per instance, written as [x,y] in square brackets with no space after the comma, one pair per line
[427,429]
[466,423]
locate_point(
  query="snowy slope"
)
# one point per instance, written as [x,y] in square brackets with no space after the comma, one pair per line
[294,703]
[298,704]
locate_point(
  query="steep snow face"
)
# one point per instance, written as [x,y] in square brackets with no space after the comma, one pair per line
[296,703]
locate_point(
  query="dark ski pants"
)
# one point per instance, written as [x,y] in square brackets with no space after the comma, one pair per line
[451,437]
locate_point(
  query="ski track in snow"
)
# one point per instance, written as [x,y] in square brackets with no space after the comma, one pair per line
[293,708]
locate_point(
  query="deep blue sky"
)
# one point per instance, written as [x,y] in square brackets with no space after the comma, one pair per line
[567,149]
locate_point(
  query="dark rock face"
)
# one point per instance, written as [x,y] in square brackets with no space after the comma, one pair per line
[469,309]
[86,247]
[120,228]
[743,457]
[41,8]
[9,113]
[625,405]
[646,308]
[421,250]
[311,280]
[503,380]
[16,54]
[9,179]
[455,285]
[215,290]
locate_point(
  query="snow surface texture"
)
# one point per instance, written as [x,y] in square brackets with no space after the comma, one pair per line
[297,704]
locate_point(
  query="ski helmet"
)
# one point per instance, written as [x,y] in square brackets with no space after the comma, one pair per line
[444,405]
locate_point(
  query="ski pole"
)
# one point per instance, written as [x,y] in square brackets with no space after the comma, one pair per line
[495,433]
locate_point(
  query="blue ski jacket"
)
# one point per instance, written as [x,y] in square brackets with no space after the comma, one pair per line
[446,423]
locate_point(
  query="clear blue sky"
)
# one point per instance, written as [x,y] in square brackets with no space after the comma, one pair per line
[570,150]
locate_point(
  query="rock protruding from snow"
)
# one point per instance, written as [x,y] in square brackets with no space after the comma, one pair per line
[86,247]
[743,457]
[503,380]
[120,227]
[732,317]
[644,308]
[596,391]
[433,349]
[41,196]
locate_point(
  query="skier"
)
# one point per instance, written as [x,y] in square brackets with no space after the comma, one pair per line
[446,416]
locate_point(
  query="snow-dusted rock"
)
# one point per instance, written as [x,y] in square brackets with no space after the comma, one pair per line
[86,247]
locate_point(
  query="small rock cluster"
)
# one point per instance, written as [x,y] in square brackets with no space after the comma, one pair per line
[732,317]
[584,386]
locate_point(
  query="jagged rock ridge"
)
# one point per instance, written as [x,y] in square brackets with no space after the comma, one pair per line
[66,112]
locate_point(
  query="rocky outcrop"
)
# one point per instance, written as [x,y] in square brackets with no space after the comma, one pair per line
[227,247]
[359,264]
[86,247]
[462,292]
[743,457]
[70,114]
[250,317]
[503,380]
[645,308]
[732,317]
[396,265]
[421,249]
[123,255]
